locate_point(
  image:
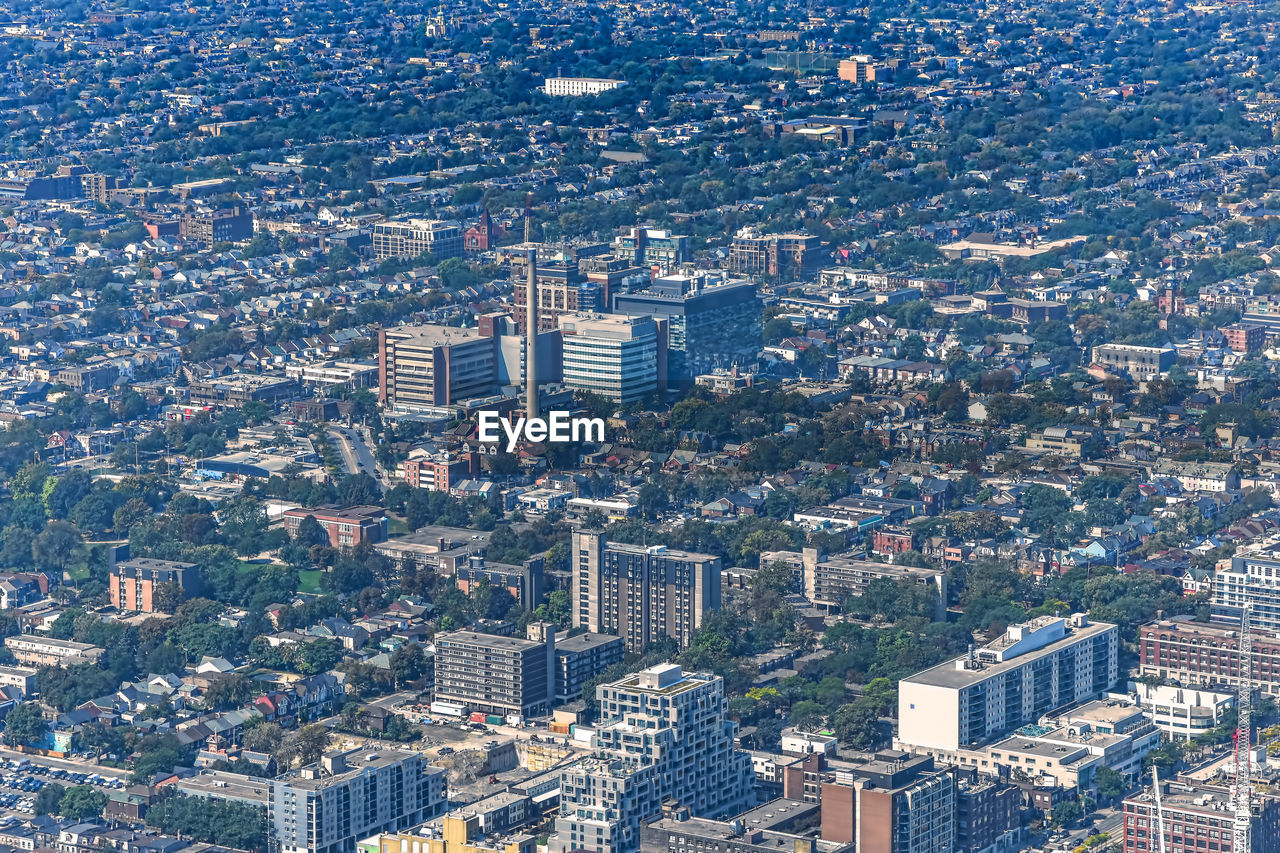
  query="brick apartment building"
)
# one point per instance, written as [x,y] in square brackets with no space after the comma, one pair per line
[134,582]
[234,225]
[1245,337]
[1195,819]
[347,527]
[1203,654]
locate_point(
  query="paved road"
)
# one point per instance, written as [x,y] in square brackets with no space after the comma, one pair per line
[1109,821]
[356,453]
[349,460]
[65,764]
[364,451]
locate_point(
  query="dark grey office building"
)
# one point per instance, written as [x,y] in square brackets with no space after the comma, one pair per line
[713,323]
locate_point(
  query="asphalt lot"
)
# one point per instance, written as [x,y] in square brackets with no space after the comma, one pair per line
[18,788]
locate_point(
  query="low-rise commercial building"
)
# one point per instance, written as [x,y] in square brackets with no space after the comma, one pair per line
[1183,713]
[1069,749]
[37,651]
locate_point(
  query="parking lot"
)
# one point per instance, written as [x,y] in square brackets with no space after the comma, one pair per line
[22,780]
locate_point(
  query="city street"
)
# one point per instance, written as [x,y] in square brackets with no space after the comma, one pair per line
[1109,821]
[357,456]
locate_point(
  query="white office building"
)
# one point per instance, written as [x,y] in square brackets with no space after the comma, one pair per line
[1182,713]
[610,354]
[573,87]
[1033,669]
[410,238]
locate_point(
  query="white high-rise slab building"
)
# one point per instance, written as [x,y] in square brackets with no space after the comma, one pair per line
[1032,669]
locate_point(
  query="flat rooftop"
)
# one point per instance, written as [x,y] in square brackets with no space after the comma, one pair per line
[1040,748]
[242,381]
[880,569]
[491,641]
[434,335]
[354,763]
[678,684]
[585,642]
[223,785]
[1204,799]
[778,812]
[784,842]
[659,551]
[50,642]
[950,675]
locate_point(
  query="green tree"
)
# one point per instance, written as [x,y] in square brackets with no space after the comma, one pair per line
[57,547]
[81,802]
[230,824]
[310,742]
[49,798]
[1067,812]
[807,715]
[228,690]
[159,753]
[24,724]
[858,725]
[408,662]
[310,532]
[1110,784]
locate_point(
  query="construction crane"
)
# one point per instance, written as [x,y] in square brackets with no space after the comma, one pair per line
[1242,788]
[1155,786]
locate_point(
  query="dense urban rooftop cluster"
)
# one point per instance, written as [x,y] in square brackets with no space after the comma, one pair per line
[916,364]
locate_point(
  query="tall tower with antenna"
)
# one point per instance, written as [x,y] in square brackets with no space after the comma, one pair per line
[1242,787]
[531,313]
[531,332]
